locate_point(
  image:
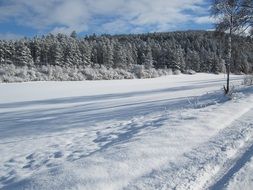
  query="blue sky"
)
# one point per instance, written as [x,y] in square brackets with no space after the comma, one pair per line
[20,18]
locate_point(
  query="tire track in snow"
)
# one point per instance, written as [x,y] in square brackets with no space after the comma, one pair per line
[236,166]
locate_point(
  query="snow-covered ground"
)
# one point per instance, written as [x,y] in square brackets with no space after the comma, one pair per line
[174,132]
[243,179]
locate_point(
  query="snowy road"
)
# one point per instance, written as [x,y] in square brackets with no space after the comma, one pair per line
[172,132]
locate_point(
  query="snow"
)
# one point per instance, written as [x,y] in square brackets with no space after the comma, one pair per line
[170,132]
[51,90]
[244,178]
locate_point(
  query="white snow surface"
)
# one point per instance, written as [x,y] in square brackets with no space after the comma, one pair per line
[243,179]
[174,132]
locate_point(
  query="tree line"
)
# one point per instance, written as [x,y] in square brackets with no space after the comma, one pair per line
[201,51]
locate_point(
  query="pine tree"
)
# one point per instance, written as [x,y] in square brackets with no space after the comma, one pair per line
[9,53]
[56,54]
[148,59]
[119,57]
[35,47]
[107,49]
[94,55]
[23,54]
[176,59]
[2,56]
[73,34]
[85,51]
[193,61]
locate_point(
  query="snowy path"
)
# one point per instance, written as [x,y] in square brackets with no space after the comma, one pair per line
[133,134]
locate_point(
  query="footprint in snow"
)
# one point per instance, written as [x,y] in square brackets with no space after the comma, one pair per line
[58,154]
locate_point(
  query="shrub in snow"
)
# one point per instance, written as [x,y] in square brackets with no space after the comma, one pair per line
[57,73]
[107,74]
[248,80]
[140,72]
[162,72]
[190,72]
[92,74]
[177,72]
[2,72]
[126,74]
[21,73]
[12,73]
[152,73]
[9,79]
[79,77]
[44,69]
[41,76]
[32,75]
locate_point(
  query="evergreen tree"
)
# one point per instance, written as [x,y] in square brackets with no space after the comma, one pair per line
[107,49]
[148,59]
[23,54]
[119,57]
[56,54]
[85,51]
[73,34]
[2,54]
[192,60]
[35,47]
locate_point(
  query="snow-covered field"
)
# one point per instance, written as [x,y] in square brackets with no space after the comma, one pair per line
[174,132]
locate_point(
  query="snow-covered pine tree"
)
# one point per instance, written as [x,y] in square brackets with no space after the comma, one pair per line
[35,47]
[2,54]
[119,57]
[56,54]
[85,51]
[148,59]
[192,61]
[73,34]
[107,48]
[176,59]
[23,55]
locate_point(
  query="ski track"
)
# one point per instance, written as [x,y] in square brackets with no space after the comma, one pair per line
[236,166]
[242,173]
[174,137]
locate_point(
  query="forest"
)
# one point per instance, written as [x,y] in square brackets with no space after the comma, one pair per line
[69,57]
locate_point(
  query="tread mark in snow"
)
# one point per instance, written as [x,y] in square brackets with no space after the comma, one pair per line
[223,181]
